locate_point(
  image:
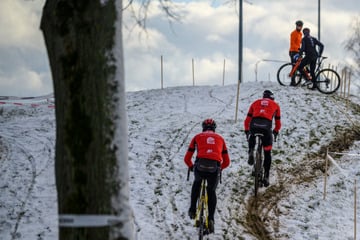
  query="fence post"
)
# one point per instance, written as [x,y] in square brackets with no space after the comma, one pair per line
[325,177]
[162,72]
[349,80]
[342,80]
[193,75]
[224,73]
[355,209]
[345,80]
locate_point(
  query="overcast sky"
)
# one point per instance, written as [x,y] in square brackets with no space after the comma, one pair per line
[206,35]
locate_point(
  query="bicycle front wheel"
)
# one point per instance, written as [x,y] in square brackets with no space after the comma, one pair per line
[202,223]
[283,75]
[327,81]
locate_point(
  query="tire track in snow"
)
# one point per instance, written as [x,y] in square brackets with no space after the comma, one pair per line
[165,152]
[24,170]
[18,152]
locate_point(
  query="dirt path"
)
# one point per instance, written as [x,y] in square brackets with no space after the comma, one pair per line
[258,219]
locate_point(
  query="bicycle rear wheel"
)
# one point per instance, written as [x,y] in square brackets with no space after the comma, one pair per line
[258,167]
[327,81]
[283,75]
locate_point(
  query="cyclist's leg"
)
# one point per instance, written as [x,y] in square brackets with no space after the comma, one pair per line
[292,54]
[312,71]
[251,139]
[267,144]
[251,142]
[195,191]
[212,183]
[305,61]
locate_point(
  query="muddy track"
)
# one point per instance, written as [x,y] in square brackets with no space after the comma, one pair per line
[258,221]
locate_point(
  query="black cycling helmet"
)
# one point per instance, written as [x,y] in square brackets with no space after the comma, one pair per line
[268,94]
[299,23]
[306,31]
[209,124]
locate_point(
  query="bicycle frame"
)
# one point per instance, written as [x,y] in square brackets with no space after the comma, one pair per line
[296,66]
[202,212]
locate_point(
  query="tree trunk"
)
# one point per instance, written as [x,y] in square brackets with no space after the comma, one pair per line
[83,40]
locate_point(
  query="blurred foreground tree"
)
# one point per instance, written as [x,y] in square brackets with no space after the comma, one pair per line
[353,46]
[84,43]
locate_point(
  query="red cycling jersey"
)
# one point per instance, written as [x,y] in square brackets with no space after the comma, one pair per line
[209,145]
[263,108]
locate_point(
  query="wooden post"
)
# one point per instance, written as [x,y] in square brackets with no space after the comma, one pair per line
[162,72]
[341,80]
[344,84]
[237,101]
[223,74]
[355,209]
[349,78]
[325,176]
[193,75]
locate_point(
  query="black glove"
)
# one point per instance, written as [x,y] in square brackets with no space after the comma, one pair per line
[275,134]
[247,133]
[191,169]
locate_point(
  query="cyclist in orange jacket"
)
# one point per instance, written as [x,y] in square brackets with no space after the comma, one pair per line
[259,120]
[212,157]
[295,44]
[295,40]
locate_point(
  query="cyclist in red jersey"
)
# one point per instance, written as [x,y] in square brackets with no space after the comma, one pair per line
[259,120]
[212,157]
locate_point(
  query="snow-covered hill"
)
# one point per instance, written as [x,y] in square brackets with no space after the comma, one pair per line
[161,125]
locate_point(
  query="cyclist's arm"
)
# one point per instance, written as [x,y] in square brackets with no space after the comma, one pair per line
[277,119]
[225,156]
[321,47]
[189,153]
[248,118]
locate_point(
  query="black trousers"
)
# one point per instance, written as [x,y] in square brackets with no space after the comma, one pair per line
[212,183]
[267,141]
[312,62]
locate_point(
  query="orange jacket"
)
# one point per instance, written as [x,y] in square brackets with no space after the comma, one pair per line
[209,145]
[264,108]
[295,41]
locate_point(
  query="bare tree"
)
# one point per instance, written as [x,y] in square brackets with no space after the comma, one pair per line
[353,45]
[84,44]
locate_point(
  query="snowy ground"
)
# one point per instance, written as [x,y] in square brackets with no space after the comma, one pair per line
[161,125]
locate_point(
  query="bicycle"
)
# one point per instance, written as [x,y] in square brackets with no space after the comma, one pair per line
[258,170]
[258,166]
[202,210]
[327,80]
